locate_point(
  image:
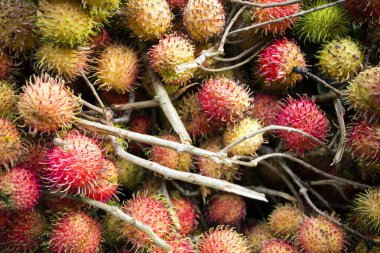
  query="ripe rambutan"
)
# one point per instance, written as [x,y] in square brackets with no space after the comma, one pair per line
[64,22]
[223,239]
[130,174]
[276,63]
[340,59]
[34,157]
[265,14]
[100,41]
[226,209]
[204,19]
[177,5]
[224,100]
[142,124]
[10,142]
[46,104]
[7,97]
[367,210]
[186,213]
[19,190]
[258,235]
[242,128]
[105,186]
[65,62]
[322,25]
[24,233]
[171,51]
[285,220]
[178,243]
[150,210]
[277,246]
[364,10]
[5,66]
[265,108]
[170,158]
[363,92]
[75,232]
[319,235]
[305,115]
[148,19]
[75,166]
[117,68]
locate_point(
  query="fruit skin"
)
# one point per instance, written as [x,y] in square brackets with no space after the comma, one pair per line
[110,229]
[17,19]
[186,213]
[224,100]
[366,209]
[19,190]
[76,166]
[204,19]
[11,144]
[117,68]
[265,14]
[101,10]
[65,62]
[171,51]
[226,209]
[64,23]
[7,97]
[340,59]
[285,220]
[364,10]
[5,66]
[177,5]
[363,92]
[319,235]
[277,246]
[46,104]
[130,174]
[148,19]
[258,235]
[276,63]
[170,158]
[75,232]
[323,25]
[150,210]
[223,239]
[303,114]
[24,233]
[265,108]
[242,128]
[178,243]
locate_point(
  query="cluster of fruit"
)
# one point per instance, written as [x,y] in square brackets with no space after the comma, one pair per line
[235,79]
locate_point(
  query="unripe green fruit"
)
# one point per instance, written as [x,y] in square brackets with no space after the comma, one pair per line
[7,97]
[367,210]
[101,10]
[10,142]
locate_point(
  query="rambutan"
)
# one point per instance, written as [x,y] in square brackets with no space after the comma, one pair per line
[170,158]
[258,235]
[75,166]
[277,246]
[46,104]
[186,213]
[100,41]
[7,97]
[364,10]
[177,5]
[5,66]
[265,108]
[34,157]
[150,210]
[276,63]
[340,59]
[130,174]
[319,235]
[226,209]
[19,190]
[53,204]
[367,210]
[110,229]
[24,233]
[223,239]
[117,68]
[101,10]
[260,15]
[10,142]
[285,220]
[224,100]
[204,19]
[178,243]
[148,19]
[245,126]
[305,115]
[75,232]
[142,124]
[172,50]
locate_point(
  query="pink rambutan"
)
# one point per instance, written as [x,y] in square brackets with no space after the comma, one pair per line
[305,115]
[186,213]
[19,189]
[277,246]
[265,108]
[224,100]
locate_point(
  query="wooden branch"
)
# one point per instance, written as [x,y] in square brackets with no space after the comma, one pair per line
[247,3]
[340,111]
[91,86]
[135,105]
[274,193]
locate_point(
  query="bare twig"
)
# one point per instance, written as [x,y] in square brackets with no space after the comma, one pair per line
[265,5]
[238,57]
[324,97]
[183,191]
[91,86]
[172,212]
[92,107]
[274,193]
[135,105]
[339,110]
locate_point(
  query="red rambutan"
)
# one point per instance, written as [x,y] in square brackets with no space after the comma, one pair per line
[265,108]
[178,243]
[186,213]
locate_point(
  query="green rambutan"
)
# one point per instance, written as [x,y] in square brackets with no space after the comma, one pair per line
[130,174]
[117,68]
[340,59]
[110,229]
[5,66]
[363,92]
[65,62]
[322,25]
[258,235]
[24,233]
[223,239]
[171,51]
[242,128]
[19,190]
[101,10]
[285,220]
[319,235]
[75,232]
[17,19]
[148,19]
[47,105]
[367,210]
[265,108]
[186,213]
[7,97]
[11,145]
[64,22]
[204,19]
[277,246]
